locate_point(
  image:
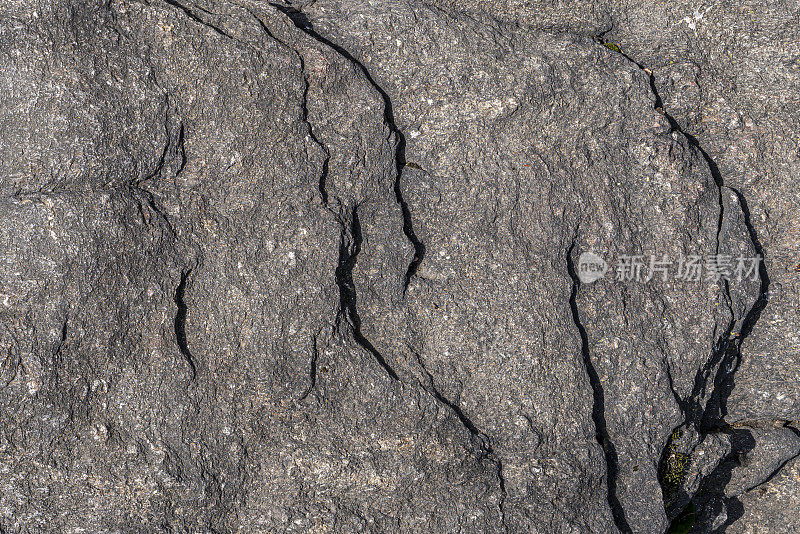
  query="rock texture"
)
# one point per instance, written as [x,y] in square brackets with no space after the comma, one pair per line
[315,266]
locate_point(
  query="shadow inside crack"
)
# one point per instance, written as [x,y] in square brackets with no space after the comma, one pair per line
[348,254]
[722,364]
[716,511]
[179,323]
[301,22]
[598,405]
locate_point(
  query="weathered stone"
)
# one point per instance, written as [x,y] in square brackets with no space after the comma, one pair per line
[315,266]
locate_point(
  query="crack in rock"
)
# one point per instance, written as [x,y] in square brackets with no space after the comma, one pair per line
[349,248]
[351,240]
[300,20]
[195,17]
[598,404]
[312,370]
[778,469]
[726,355]
[180,322]
[174,146]
[482,438]
[322,186]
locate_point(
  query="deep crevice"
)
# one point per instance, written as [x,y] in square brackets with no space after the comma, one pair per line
[180,321]
[300,20]
[598,404]
[726,355]
[349,248]
[747,426]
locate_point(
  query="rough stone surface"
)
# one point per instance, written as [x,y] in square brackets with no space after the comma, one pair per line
[315,266]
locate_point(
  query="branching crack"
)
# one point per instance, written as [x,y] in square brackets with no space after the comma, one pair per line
[172,147]
[351,237]
[598,405]
[300,20]
[725,357]
[144,197]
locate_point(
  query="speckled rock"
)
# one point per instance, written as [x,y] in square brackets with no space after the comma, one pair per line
[318,266]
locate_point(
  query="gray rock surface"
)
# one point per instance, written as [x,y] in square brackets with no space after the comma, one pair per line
[315,266]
